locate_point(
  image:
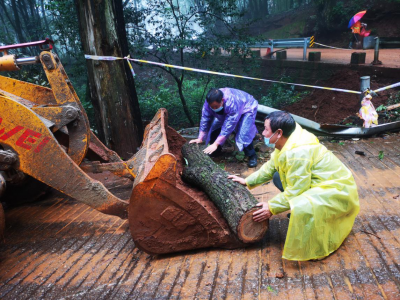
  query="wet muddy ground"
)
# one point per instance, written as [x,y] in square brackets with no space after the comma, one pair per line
[329,107]
[61,249]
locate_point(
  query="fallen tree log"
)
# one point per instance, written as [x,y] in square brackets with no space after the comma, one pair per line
[394,106]
[233,200]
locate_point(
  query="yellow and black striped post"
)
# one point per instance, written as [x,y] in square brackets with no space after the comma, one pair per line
[311,44]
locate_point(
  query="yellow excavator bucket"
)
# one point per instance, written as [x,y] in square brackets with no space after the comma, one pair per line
[45,135]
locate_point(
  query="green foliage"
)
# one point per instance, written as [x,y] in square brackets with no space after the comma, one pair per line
[65,26]
[335,15]
[221,165]
[240,156]
[394,98]
[32,74]
[381,107]
[59,22]
[394,114]
[236,156]
[156,92]
[280,95]
[271,290]
[291,30]
[380,155]
[175,32]
[164,28]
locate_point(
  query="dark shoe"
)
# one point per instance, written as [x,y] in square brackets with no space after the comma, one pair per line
[252,161]
[288,215]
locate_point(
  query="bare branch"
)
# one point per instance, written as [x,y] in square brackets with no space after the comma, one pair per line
[175,16]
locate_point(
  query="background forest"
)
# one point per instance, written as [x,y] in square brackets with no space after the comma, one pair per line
[187,32]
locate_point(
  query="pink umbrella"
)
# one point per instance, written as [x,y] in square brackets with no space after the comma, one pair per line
[357,17]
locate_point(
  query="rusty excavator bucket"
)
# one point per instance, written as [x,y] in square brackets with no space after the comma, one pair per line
[45,136]
[165,214]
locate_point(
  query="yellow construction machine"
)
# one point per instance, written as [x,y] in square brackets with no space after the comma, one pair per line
[45,136]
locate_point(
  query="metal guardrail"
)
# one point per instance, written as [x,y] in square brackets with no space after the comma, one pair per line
[389,42]
[286,43]
[338,131]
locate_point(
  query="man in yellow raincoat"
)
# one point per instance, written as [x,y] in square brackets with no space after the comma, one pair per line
[317,187]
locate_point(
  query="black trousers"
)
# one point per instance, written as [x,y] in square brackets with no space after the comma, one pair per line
[276,179]
[355,37]
[248,150]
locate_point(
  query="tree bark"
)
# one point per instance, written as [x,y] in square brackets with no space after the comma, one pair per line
[233,200]
[2,222]
[17,22]
[112,87]
[3,21]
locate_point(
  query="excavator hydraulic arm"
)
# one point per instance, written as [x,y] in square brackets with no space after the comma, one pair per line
[45,133]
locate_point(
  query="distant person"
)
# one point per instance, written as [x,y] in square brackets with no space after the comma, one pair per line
[225,111]
[355,29]
[359,31]
[315,185]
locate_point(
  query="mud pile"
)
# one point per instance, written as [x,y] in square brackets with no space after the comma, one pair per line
[328,107]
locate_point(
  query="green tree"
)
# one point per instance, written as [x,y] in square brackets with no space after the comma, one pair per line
[176,32]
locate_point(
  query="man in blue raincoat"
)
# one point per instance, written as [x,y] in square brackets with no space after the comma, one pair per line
[315,185]
[228,110]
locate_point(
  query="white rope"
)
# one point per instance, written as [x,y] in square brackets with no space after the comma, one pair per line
[332,47]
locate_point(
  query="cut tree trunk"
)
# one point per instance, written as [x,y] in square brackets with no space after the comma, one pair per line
[233,200]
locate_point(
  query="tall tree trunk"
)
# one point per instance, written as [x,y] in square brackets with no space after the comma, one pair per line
[3,21]
[112,86]
[33,21]
[47,29]
[17,22]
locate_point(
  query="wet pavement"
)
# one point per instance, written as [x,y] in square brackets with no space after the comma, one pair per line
[390,58]
[59,248]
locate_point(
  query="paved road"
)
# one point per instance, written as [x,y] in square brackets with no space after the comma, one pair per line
[390,58]
[62,249]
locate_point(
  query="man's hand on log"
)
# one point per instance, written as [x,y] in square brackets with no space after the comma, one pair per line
[237,179]
[197,141]
[210,149]
[263,213]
